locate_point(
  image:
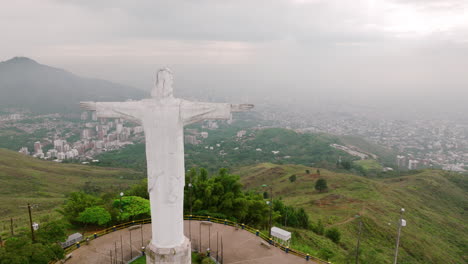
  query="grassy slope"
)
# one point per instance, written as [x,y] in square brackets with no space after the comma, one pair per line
[385,155]
[369,165]
[434,203]
[24,179]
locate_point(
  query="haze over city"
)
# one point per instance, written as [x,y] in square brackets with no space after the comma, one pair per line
[379,55]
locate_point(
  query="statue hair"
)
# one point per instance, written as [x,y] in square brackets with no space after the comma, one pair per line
[162,88]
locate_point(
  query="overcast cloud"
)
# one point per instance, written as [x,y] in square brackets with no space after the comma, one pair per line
[364,51]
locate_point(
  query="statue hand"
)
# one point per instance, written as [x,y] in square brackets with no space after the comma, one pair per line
[241,107]
[90,106]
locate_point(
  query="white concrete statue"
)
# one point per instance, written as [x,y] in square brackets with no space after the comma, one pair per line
[163,118]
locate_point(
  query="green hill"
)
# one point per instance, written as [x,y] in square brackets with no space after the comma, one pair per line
[435,204]
[223,149]
[25,180]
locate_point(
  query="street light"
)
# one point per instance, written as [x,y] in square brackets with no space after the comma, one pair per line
[271,207]
[190,205]
[401,223]
[359,238]
[121,195]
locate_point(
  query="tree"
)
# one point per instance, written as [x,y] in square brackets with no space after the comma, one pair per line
[307,171]
[333,234]
[19,250]
[77,203]
[95,215]
[52,232]
[140,189]
[319,229]
[292,178]
[133,207]
[318,172]
[321,185]
[346,165]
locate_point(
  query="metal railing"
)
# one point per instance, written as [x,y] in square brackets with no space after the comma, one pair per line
[227,222]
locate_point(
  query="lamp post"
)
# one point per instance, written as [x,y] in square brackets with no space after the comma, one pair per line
[271,208]
[121,195]
[359,238]
[190,206]
[31,223]
[401,223]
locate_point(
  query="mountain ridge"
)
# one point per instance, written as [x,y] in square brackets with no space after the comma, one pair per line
[27,84]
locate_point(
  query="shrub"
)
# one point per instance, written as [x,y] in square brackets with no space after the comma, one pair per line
[333,234]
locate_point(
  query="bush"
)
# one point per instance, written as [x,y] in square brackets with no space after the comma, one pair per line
[292,178]
[321,185]
[207,261]
[95,215]
[333,234]
[326,254]
[319,229]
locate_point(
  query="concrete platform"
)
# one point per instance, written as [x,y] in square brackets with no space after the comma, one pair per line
[239,246]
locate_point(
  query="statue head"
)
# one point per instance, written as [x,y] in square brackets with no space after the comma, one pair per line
[163,87]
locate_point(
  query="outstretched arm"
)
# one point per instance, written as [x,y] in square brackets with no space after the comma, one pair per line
[193,112]
[241,107]
[125,110]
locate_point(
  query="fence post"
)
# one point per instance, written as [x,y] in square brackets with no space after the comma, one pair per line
[257,232]
[95,235]
[307,257]
[225,221]
[113,228]
[243,226]
[286,249]
[77,244]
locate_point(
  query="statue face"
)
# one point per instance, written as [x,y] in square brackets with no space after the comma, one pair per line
[163,87]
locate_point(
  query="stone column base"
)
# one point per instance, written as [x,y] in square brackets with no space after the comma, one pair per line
[181,254]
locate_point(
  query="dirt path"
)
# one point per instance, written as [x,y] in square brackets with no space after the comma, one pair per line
[239,246]
[348,220]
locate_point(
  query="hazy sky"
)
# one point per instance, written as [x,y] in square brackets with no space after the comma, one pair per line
[327,50]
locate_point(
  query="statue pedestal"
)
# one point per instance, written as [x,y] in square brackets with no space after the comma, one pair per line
[181,254]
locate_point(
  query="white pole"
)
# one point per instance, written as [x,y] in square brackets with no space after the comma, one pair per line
[398,237]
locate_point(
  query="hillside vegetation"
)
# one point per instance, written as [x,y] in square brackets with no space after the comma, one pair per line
[435,204]
[222,149]
[25,180]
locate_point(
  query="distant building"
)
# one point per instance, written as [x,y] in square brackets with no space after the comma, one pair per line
[24,150]
[61,156]
[84,115]
[401,161]
[191,139]
[58,144]
[14,117]
[212,124]
[119,128]
[241,133]
[204,134]
[138,129]
[413,164]
[87,133]
[37,147]
[52,153]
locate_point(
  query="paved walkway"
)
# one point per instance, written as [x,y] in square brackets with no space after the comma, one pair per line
[238,246]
